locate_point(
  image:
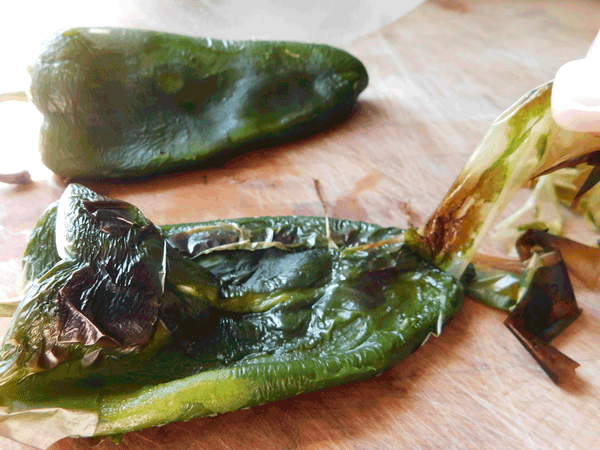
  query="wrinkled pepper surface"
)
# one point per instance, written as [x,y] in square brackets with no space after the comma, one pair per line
[131,325]
[127,102]
[126,325]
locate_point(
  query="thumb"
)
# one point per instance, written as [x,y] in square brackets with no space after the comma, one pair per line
[575,102]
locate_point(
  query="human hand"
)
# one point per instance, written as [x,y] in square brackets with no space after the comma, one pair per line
[576,93]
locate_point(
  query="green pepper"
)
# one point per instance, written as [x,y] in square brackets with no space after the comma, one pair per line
[129,325]
[127,103]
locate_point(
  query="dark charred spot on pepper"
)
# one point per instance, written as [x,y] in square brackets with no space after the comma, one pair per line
[223,339]
[448,224]
[92,305]
[286,235]
[118,218]
[181,321]
[112,217]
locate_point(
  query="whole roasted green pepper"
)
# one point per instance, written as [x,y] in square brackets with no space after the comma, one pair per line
[126,102]
[127,325]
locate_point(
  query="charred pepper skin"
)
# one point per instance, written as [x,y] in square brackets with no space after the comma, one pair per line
[128,103]
[252,311]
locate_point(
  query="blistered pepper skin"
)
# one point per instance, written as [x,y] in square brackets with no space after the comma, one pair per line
[125,102]
[231,313]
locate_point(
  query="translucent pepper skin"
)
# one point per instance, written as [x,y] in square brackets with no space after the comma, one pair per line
[128,103]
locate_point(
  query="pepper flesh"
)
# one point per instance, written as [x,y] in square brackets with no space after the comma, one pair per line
[291,314]
[126,102]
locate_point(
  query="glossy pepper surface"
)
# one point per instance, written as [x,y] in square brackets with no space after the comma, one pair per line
[127,102]
[148,325]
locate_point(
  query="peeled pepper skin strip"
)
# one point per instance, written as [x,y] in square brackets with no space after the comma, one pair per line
[126,102]
[291,314]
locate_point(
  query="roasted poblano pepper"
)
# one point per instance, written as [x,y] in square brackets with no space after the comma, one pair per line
[126,102]
[126,325]
[132,325]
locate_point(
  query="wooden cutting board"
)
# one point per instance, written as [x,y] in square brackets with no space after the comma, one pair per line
[438,77]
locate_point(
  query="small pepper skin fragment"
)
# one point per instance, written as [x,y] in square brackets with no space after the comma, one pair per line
[127,102]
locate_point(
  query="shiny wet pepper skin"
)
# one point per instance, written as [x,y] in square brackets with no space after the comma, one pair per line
[125,102]
[219,315]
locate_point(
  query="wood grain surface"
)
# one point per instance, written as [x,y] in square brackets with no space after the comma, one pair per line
[438,77]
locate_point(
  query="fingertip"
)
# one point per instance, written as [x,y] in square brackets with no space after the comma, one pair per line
[575,102]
